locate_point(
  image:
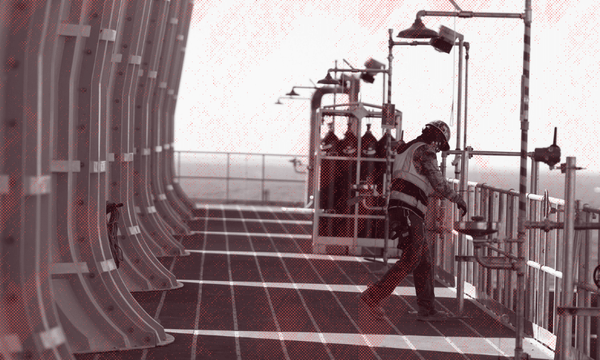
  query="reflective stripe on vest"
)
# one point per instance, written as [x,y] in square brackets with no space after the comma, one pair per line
[404,168]
[410,200]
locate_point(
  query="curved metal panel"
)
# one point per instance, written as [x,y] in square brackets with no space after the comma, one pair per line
[175,194]
[158,121]
[29,322]
[97,310]
[141,270]
[153,224]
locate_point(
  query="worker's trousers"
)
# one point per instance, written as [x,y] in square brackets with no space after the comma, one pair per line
[416,258]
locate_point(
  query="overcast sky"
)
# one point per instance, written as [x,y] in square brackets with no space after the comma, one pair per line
[243,55]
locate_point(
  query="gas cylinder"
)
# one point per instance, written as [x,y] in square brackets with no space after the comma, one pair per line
[368,150]
[380,170]
[327,184]
[346,170]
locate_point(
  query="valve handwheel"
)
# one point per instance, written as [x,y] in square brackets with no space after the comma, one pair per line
[597,276]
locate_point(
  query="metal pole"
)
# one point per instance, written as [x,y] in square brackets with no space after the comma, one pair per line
[463,181]
[564,350]
[521,234]
[262,181]
[227,184]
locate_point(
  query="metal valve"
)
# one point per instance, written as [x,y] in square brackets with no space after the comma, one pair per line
[549,155]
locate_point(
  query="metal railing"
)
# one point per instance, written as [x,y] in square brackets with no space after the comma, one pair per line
[237,177]
[495,290]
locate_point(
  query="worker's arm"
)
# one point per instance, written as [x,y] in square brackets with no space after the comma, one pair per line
[426,164]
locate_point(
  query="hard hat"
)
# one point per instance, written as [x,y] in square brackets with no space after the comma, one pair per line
[444,129]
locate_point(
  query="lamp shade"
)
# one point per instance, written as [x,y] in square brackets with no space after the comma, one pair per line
[417,31]
[328,80]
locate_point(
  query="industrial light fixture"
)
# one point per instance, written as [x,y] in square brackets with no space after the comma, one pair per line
[369,76]
[445,41]
[328,80]
[417,31]
[292,93]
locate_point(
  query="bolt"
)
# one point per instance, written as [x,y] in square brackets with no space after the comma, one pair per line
[80,202]
[115,128]
[10,240]
[110,308]
[11,123]
[92,275]
[88,51]
[12,62]
[130,330]
[83,90]
[125,46]
[117,101]
[151,277]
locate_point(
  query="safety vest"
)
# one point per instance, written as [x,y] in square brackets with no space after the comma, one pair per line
[404,168]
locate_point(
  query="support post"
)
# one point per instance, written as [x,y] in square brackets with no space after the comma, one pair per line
[564,349]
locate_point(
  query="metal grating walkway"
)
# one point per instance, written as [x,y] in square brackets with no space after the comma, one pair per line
[254,290]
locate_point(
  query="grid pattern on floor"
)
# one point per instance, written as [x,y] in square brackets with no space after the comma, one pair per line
[254,290]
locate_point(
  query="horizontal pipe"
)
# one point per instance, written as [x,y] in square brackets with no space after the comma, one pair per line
[359,70]
[545,269]
[240,178]
[235,153]
[487,153]
[470,14]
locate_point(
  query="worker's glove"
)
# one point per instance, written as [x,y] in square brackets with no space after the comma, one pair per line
[462,205]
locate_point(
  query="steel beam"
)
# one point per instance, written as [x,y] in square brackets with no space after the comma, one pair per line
[154,225]
[157,121]
[175,194]
[29,319]
[96,307]
[141,270]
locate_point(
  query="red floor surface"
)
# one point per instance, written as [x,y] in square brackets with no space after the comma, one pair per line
[254,290]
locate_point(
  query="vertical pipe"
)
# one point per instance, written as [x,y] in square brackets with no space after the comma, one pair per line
[390,58]
[227,183]
[463,182]
[564,348]
[523,181]
[262,181]
[388,144]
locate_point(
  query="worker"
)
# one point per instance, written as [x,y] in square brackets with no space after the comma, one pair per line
[416,175]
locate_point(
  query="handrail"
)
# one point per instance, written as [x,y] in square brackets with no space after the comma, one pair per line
[229,179]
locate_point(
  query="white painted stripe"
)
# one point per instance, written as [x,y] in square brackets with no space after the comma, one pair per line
[364,338]
[264,221]
[251,207]
[242,233]
[367,339]
[197,317]
[300,286]
[238,348]
[286,255]
[269,301]
[424,343]
[308,312]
